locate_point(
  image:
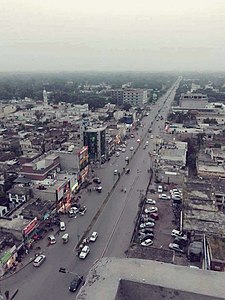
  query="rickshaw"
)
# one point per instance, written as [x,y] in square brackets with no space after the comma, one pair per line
[65,238]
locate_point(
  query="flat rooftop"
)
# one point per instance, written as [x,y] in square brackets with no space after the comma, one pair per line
[127,278]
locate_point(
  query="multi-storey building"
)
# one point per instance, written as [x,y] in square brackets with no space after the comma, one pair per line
[95,140]
[117,96]
[193,101]
[135,97]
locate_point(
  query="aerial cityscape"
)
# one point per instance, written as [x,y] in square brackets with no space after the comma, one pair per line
[112,152]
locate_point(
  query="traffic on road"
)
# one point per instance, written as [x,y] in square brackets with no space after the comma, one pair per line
[107,209]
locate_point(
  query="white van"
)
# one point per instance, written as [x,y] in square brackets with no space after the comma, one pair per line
[62,226]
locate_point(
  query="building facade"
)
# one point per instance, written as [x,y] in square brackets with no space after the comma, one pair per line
[95,140]
[135,97]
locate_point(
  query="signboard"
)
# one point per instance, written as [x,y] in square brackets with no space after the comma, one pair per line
[83,155]
[30,227]
[5,257]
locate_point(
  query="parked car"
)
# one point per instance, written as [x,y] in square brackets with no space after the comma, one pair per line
[147,224]
[94,236]
[123,149]
[160,189]
[127,171]
[62,226]
[117,154]
[177,233]
[82,210]
[97,180]
[127,159]
[39,260]
[73,211]
[84,252]
[51,239]
[175,247]
[145,236]
[175,191]
[115,172]
[164,197]
[147,219]
[75,283]
[151,209]
[150,201]
[131,148]
[180,241]
[147,243]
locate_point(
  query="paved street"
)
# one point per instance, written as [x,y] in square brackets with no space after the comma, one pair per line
[115,223]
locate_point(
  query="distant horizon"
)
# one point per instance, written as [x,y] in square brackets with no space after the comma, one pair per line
[144,36]
[110,71]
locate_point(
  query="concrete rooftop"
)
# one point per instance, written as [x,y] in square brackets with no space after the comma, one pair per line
[126,278]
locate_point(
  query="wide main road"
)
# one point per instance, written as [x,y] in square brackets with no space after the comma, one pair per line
[114,224]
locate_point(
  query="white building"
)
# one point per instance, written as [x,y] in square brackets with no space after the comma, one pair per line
[135,97]
[45,97]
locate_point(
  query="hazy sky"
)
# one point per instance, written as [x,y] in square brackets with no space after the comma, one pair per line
[142,35]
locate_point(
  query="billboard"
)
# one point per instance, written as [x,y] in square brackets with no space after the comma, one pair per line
[30,227]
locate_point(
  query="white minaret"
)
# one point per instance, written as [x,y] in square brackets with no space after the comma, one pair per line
[45,97]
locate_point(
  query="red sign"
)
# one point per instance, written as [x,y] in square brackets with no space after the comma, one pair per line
[30,226]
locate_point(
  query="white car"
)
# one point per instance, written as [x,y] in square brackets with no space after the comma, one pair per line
[117,154]
[176,192]
[175,247]
[151,209]
[93,237]
[147,243]
[147,224]
[164,197]
[131,148]
[84,252]
[152,136]
[39,260]
[177,233]
[177,198]
[146,143]
[115,172]
[51,239]
[150,201]
[123,150]
[160,189]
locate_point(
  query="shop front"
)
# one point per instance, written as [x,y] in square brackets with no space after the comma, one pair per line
[28,233]
[8,260]
[64,196]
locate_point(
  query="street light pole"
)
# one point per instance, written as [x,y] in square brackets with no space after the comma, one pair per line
[65,271]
